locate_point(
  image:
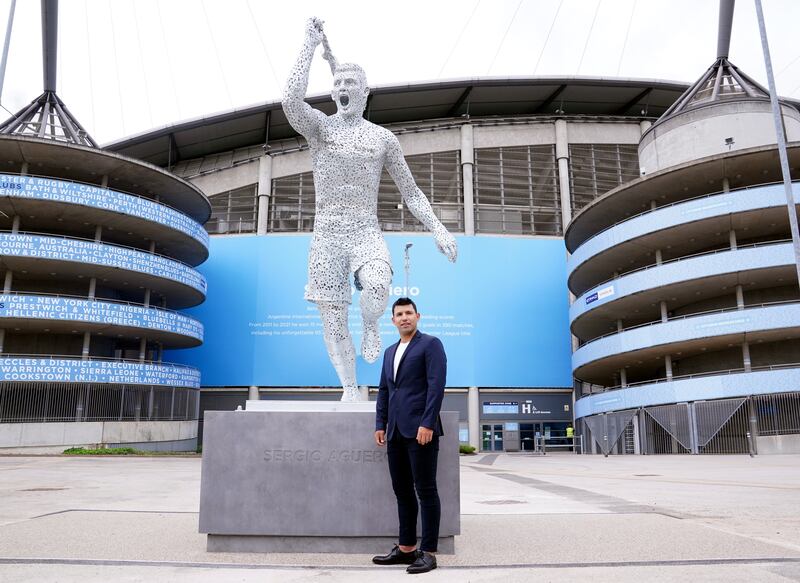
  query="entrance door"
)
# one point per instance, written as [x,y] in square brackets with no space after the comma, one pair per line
[492,437]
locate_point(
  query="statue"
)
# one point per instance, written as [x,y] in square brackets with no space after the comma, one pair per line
[348,155]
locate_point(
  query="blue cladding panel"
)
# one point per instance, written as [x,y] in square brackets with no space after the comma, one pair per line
[501,312]
[89,252]
[39,188]
[42,307]
[97,371]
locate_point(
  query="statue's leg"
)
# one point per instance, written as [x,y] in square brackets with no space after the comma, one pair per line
[375,277]
[340,346]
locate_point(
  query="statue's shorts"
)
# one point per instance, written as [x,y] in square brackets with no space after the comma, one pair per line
[331,260]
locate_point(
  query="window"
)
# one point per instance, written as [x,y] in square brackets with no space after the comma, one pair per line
[594,169]
[438,175]
[516,191]
[234,211]
[291,208]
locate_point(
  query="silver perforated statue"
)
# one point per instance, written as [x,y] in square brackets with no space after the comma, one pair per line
[348,155]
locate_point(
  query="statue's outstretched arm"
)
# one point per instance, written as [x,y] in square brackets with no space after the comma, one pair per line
[302,117]
[415,200]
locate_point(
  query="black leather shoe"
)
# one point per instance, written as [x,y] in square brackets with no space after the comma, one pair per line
[425,562]
[395,557]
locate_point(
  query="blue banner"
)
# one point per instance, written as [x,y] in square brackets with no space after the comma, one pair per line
[37,369]
[89,252]
[501,312]
[40,188]
[42,307]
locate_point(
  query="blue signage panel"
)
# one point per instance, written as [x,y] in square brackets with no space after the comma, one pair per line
[40,188]
[97,371]
[41,307]
[79,251]
[501,312]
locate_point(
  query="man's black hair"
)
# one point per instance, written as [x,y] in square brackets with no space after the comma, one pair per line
[403,302]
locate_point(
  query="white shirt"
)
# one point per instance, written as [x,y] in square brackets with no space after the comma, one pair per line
[398,355]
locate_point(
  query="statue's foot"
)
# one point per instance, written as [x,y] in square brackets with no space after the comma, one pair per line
[371,342]
[351,395]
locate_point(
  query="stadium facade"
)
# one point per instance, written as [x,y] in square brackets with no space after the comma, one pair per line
[97,252]
[506,163]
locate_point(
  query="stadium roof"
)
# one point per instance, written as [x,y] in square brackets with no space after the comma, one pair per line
[474,97]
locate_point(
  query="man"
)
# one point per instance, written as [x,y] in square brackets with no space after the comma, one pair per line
[407,421]
[348,155]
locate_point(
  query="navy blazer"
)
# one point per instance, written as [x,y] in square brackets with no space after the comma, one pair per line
[414,398]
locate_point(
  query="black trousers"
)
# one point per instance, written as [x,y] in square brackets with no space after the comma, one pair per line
[413,468]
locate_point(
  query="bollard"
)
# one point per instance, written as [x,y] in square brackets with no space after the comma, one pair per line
[750,444]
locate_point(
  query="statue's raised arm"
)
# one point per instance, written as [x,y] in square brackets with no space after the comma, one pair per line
[416,201]
[302,117]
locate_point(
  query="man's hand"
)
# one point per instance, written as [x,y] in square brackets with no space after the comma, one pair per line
[424,435]
[446,243]
[380,437]
[314,32]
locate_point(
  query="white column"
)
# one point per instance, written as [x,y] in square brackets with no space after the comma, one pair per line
[467,161]
[252,393]
[644,125]
[668,366]
[264,192]
[748,365]
[474,417]
[562,155]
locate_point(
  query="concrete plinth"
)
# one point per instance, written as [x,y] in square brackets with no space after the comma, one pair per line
[300,480]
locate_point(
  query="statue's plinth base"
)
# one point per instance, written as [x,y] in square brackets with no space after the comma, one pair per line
[302,476]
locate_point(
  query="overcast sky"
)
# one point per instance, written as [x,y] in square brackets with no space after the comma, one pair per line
[126,66]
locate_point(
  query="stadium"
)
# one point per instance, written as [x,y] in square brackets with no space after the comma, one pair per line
[625,266]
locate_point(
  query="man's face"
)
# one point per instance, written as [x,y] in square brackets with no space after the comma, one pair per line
[349,92]
[405,318]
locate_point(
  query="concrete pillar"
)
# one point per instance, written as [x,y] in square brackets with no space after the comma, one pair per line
[9,280]
[15,224]
[748,367]
[363,391]
[24,168]
[562,155]
[726,185]
[152,246]
[619,325]
[146,297]
[644,125]
[142,349]
[664,314]
[653,205]
[659,259]
[264,191]
[92,287]
[252,393]
[98,233]
[87,339]
[2,339]
[467,162]
[474,417]
[104,181]
[732,239]
[623,378]
[740,297]
[668,366]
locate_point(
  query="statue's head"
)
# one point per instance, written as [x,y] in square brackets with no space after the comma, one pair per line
[350,90]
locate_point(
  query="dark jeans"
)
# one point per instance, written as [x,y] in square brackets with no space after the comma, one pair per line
[413,467]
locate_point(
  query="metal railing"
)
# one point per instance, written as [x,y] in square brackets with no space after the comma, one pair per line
[119,190]
[59,402]
[94,299]
[682,201]
[145,252]
[595,389]
[685,257]
[687,316]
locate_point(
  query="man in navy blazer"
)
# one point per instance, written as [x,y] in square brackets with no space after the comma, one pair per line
[407,421]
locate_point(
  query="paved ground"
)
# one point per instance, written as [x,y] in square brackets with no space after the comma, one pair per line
[524,518]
